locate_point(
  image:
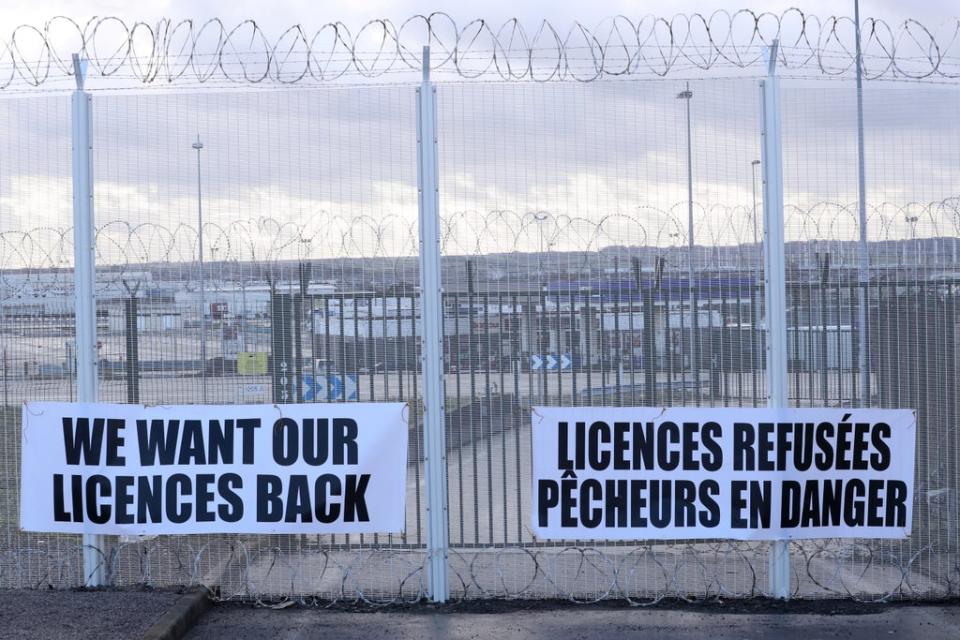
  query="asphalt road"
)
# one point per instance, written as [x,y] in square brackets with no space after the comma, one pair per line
[570,622]
[123,614]
[26,614]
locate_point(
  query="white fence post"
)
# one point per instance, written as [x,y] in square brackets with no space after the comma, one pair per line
[431,309]
[85,307]
[775,284]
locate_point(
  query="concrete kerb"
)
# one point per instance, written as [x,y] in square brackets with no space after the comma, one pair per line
[179,618]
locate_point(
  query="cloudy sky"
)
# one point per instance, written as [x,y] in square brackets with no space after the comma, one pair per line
[523,166]
[282,12]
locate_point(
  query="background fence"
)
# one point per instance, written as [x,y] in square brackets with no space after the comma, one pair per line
[566,270]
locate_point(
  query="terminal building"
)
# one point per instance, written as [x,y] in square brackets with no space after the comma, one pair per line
[568,324]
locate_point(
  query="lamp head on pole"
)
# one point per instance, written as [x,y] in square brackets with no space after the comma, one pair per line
[686,94]
[197,145]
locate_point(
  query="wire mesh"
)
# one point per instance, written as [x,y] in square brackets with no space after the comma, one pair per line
[908,343]
[36,315]
[569,250]
[572,275]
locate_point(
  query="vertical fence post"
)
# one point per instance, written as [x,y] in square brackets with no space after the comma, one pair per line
[431,308]
[281,349]
[132,339]
[775,283]
[824,263]
[85,308]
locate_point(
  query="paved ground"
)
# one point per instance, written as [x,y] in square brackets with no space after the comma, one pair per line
[75,615]
[569,622]
[106,615]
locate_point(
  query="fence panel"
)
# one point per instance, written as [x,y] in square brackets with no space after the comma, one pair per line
[910,308]
[569,278]
[560,201]
[300,193]
[36,317]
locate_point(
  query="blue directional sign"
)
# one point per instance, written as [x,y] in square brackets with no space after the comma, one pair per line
[331,387]
[550,362]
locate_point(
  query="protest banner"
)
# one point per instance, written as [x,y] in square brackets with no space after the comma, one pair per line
[129,469]
[748,474]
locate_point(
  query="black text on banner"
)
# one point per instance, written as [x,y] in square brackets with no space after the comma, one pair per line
[134,470]
[749,474]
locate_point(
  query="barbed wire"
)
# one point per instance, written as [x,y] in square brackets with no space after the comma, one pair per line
[268,244]
[212,52]
[253,568]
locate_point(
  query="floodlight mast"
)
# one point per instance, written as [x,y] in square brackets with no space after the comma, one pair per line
[687,95]
[863,265]
[198,147]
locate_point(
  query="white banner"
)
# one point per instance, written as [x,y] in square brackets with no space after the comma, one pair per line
[134,470]
[746,474]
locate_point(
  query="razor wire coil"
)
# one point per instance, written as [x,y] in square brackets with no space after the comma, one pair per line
[216,52]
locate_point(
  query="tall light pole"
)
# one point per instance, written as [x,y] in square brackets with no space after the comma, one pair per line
[864,261]
[541,218]
[203,293]
[687,95]
[912,221]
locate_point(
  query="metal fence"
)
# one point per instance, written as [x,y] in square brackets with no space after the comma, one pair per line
[571,276]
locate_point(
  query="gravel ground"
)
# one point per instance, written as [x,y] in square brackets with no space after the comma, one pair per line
[565,621]
[80,614]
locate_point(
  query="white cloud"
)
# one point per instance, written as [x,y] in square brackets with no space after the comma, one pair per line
[600,154]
